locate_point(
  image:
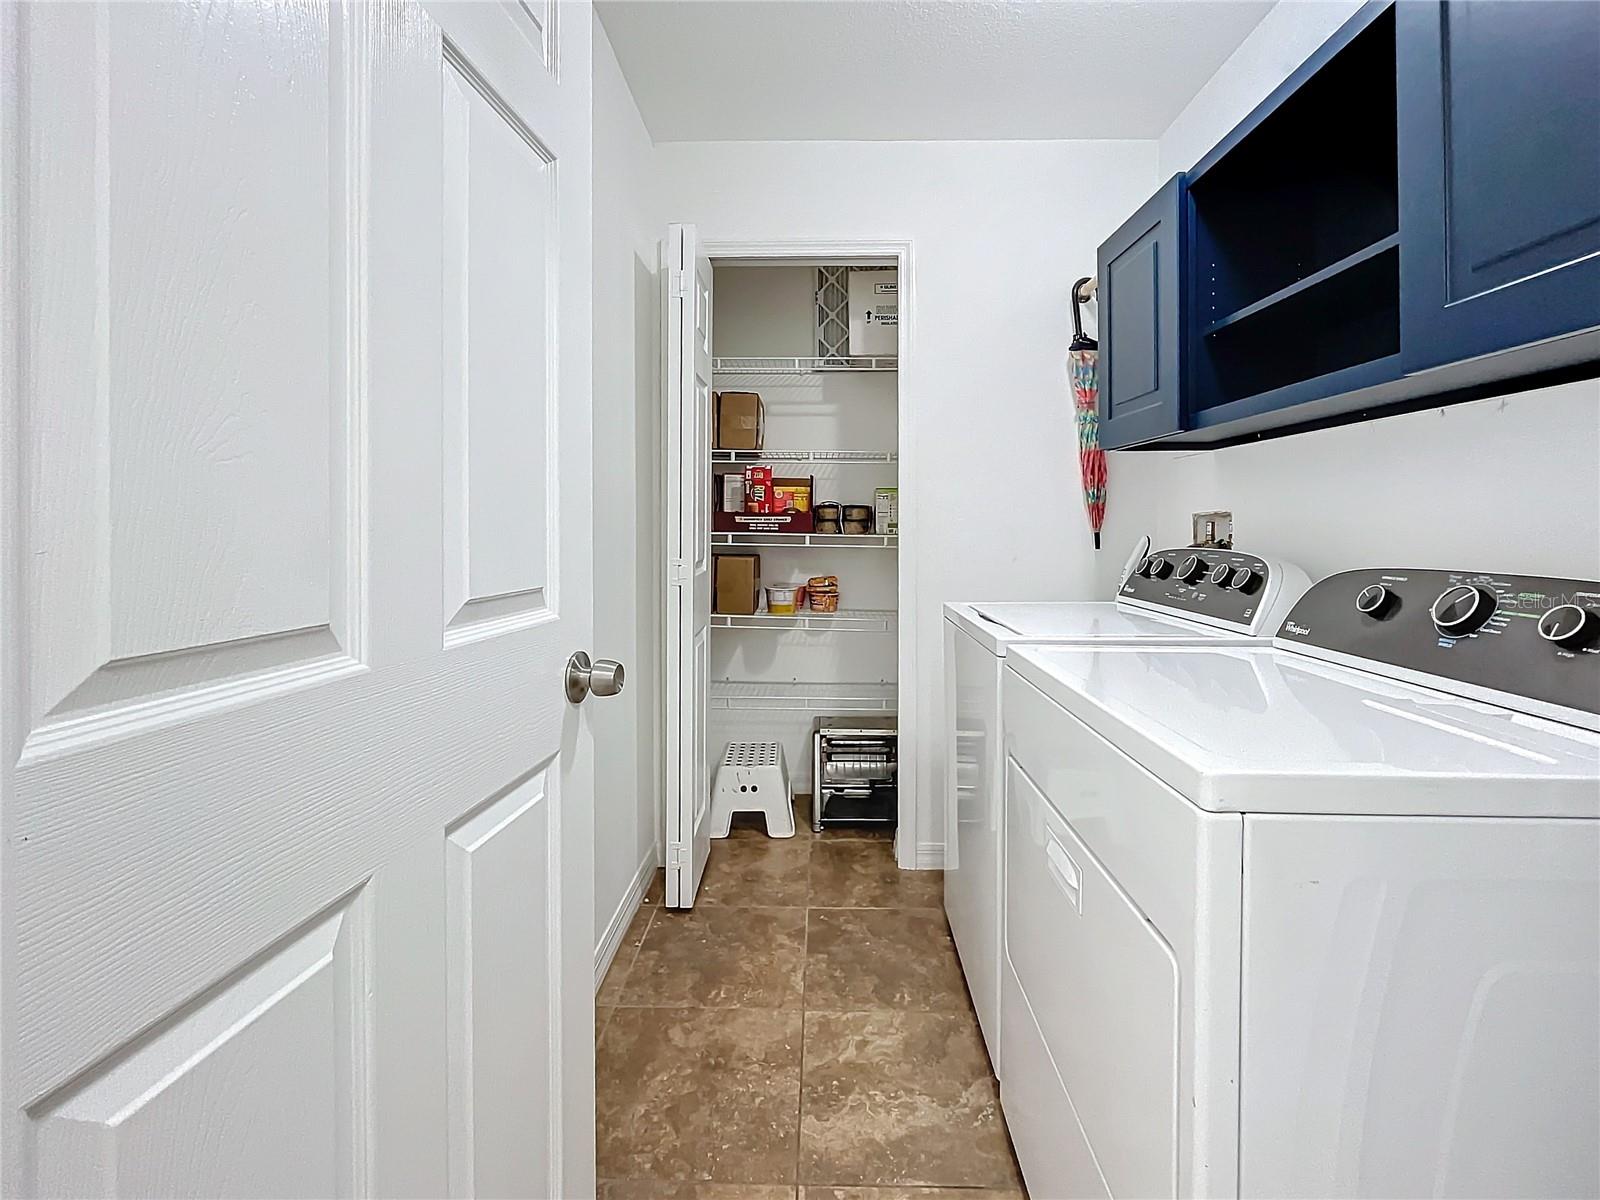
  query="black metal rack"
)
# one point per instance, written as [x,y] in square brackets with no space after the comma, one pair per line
[855,771]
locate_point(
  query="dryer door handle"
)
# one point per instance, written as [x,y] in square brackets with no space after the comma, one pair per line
[1068,875]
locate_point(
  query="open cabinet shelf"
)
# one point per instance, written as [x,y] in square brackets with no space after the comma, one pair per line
[1341,320]
[792,696]
[803,365]
[1311,282]
[1294,241]
[808,456]
[846,620]
[794,541]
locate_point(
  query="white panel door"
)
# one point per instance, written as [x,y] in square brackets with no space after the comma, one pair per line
[688,623]
[294,461]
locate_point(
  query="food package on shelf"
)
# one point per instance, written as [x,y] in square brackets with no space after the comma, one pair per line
[785,599]
[792,494]
[758,490]
[886,510]
[823,593]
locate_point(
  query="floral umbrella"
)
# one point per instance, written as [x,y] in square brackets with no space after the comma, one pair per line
[1083,361]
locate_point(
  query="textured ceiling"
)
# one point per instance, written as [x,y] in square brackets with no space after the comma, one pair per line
[919,70]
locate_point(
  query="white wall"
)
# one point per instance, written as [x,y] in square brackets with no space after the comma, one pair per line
[627,618]
[1282,41]
[1509,484]
[990,494]
[765,312]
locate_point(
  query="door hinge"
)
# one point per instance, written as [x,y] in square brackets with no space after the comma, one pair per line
[677,855]
[677,572]
[677,283]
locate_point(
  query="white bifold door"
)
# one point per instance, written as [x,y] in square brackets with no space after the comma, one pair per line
[687,337]
[296,544]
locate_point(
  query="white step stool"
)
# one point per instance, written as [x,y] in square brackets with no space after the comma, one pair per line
[752,778]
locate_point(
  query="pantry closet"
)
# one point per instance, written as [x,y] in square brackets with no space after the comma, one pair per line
[783,463]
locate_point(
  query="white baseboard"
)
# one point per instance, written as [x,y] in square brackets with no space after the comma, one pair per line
[611,941]
[930,856]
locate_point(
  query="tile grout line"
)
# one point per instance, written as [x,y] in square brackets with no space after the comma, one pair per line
[805,975]
[805,978]
[622,980]
[807,907]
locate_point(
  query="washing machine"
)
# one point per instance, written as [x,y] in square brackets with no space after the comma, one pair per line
[1314,919]
[1185,596]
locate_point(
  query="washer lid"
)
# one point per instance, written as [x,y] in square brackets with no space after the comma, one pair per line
[1090,622]
[1256,730]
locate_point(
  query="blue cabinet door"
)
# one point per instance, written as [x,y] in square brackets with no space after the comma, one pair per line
[1499,145]
[1141,323]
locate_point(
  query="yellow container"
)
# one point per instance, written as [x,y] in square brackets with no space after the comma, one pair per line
[782,599]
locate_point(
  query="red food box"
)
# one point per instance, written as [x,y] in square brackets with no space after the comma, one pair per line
[758,490]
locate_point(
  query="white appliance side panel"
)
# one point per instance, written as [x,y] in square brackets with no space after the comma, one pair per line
[1181,867]
[972,868]
[1421,1007]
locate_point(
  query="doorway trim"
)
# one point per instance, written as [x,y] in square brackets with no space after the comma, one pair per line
[911,851]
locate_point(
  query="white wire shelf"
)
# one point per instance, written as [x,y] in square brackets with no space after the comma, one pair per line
[846,620]
[779,696]
[803,365]
[811,456]
[794,541]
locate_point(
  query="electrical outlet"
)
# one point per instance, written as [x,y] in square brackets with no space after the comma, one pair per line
[1213,529]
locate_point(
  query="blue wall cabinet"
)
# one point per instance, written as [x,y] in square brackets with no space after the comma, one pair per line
[1141,322]
[1413,213]
[1499,140]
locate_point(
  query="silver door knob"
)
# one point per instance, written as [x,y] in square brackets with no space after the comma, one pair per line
[604,678]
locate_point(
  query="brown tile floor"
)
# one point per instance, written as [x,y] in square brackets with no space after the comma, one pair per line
[804,1033]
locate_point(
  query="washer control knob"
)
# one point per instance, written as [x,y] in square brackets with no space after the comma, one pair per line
[1221,576]
[1463,609]
[1191,569]
[1375,600]
[1569,626]
[1160,568]
[1244,579]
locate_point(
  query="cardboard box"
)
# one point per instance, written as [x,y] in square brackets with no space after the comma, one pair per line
[727,522]
[874,312]
[738,583]
[740,420]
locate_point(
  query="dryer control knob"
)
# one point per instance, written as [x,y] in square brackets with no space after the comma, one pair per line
[1570,626]
[1463,609]
[1220,575]
[1244,579]
[1191,569]
[1160,568]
